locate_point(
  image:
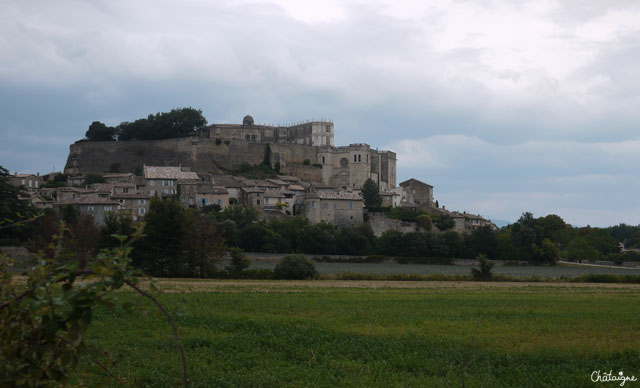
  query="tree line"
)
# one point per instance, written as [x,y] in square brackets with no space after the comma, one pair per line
[178,122]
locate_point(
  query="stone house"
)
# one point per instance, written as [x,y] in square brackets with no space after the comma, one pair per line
[208,194]
[232,185]
[416,194]
[252,196]
[95,207]
[30,182]
[466,222]
[275,200]
[342,209]
[163,181]
[134,205]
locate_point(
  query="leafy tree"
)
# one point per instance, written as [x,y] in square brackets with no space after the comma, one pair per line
[483,241]
[444,222]
[177,123]
[505,249]
[100,132]
[15,209]
[239,261]
[370,194]
[178,242]
[547,253]
[424,221]
[267,156]
[578,250]
[83,243]
[43,322]
[295,267]
[483,273]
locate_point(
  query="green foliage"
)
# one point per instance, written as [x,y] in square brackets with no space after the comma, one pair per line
[258,171]
[43,322]
[579,250]
[444,222]
[424,221]
[306,162]
[295,267]
[483,273]
[177,123]
[370,194]
[547,253]
[100,132]
[239,261]
[267,156]
[92,178]
[15,209]
[59,180]
[178,242]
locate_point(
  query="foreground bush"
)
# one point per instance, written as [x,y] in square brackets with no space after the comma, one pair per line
[295,267]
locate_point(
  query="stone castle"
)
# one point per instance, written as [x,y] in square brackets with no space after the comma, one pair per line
[305,150]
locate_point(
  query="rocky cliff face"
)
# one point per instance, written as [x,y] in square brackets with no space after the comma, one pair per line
[201,154]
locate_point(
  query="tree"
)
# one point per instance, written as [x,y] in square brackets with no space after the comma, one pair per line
[267,156]
[424,221]
[547,253]
[483,273]
[100,132]
[239,261]
[15,209]
[177,123]
[370,194]
[294,267]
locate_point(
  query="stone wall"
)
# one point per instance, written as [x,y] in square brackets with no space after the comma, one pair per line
[305,173]
[201,154]
[380,223]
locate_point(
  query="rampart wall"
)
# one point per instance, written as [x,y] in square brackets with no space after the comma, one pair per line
[202,155]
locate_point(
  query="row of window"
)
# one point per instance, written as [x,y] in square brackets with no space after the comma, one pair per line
[325,205]
[31,183]
[163,182]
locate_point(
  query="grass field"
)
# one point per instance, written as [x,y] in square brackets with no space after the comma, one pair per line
[376,334]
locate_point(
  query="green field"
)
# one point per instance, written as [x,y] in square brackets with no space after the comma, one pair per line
[331,333]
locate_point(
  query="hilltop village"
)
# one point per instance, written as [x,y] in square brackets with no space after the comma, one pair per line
[216,167]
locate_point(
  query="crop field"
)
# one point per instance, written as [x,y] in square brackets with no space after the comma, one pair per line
[409,269]
[374,334]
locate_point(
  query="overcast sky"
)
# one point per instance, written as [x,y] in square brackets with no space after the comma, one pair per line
[502,106]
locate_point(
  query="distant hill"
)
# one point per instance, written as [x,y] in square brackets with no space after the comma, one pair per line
[501,223]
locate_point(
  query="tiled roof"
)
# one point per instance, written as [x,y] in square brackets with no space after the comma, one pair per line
[296,187]
[87,201]
[165,172]
[252,190]
[210,189]
[130,196]
[273,194]
[225,181]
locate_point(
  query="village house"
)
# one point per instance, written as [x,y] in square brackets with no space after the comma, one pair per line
[466,222]
[252,196]
[95,207]
[30,182]
[163,181]
[134,205]
[342,209]
[416,194]
[208,194]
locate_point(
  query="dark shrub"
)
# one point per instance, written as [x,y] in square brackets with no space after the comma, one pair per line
[295,267]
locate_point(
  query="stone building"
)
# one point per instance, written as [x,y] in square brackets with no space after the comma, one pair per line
[163,181]
[30,182]
[416,194]
[342,209]
[313,133]
[348,167]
